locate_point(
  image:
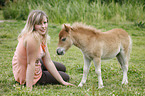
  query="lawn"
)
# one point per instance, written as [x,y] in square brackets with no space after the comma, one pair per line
[73,60]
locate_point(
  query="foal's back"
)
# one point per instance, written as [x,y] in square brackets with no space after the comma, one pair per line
[108,44]
[118,34]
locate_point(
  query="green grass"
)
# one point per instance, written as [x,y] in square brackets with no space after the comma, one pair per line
[60,11]
[1,16]
[73,60]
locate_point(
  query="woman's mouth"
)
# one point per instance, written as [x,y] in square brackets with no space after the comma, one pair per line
[43,30]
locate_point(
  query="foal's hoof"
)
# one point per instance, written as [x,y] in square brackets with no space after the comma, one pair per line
[80,85]
[100,87]
[125,82]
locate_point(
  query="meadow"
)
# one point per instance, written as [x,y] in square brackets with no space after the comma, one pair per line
[128,17]
[73,60]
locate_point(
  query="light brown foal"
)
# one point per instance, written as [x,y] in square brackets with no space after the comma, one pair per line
[96,45]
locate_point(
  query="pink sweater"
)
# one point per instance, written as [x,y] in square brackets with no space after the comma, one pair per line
[19,64]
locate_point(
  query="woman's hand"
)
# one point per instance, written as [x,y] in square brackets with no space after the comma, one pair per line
[67,84]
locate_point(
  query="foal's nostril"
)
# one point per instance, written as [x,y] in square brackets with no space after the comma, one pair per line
[59,52]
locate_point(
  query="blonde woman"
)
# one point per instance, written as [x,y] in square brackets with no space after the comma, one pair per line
[32,54]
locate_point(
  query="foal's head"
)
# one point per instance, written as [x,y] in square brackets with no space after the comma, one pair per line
[65,41]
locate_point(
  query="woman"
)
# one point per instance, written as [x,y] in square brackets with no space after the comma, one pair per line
[32,50]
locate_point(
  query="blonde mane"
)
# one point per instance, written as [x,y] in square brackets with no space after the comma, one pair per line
[77,26]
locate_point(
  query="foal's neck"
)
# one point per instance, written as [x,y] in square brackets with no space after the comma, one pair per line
[80,40]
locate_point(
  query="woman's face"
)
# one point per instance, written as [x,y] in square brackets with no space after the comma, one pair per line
[42,26]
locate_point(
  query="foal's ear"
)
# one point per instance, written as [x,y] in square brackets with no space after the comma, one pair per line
[67,28]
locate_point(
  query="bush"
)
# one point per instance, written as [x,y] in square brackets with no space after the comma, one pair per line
[18,11]
[90,11]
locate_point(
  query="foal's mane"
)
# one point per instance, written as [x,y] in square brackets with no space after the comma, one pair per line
[77,26]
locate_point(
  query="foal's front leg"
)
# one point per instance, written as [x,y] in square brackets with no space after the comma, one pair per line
[97,63]
[85,70]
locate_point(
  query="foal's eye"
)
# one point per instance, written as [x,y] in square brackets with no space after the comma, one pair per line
[63,39]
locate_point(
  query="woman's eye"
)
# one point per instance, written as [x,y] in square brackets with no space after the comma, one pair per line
[45,22]
[63,39]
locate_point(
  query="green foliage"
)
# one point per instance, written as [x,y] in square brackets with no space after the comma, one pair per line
[73,60]
[140,24]
[68,11]
[118,1]
[19,11]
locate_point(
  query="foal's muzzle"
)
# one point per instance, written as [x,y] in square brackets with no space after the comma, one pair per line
[60,51]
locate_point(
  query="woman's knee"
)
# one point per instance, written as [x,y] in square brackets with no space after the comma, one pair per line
[64,76]
[59,66]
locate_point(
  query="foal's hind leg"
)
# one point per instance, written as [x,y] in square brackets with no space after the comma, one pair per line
[123,60]
[85,70]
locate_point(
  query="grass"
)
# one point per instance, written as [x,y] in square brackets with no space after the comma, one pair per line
[73,60]
[111,71]
[1,16]
[68,11]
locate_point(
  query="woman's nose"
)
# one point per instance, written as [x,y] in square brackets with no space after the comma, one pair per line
[43,25]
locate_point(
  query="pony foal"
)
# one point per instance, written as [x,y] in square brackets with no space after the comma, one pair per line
[96,45]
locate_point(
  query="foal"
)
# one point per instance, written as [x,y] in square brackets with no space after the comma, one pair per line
[96,45]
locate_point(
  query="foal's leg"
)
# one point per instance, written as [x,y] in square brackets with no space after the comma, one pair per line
[97,63]
[123,60]
[85,70]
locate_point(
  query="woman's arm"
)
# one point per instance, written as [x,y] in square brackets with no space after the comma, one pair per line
[32,49]
[52,69]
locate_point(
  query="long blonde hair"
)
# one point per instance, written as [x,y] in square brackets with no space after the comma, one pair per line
[35,17]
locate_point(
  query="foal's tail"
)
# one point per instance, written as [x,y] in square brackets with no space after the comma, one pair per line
[129,48]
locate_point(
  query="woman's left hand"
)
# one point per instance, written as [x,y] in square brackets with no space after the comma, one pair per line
[67,84]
